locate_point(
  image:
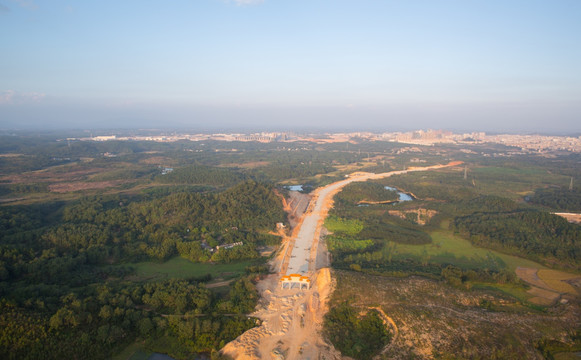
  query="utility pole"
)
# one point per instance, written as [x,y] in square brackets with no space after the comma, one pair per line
[571,184]
[465,172]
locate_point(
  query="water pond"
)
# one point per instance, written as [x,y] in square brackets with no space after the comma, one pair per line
[402,196]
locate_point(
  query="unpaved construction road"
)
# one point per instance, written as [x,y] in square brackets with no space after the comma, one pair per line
[291,319]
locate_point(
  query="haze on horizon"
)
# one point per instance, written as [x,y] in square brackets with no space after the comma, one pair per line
[465,65]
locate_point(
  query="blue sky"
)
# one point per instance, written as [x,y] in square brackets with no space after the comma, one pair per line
[491,65]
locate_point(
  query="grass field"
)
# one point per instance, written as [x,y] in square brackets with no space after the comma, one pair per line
[181,268]
[449,248]
[555,278]
[348,227]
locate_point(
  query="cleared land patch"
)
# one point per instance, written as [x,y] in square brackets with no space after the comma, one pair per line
[571,217]
[557,280]
[542,296]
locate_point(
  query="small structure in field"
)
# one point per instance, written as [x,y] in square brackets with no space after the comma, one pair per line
[229,246]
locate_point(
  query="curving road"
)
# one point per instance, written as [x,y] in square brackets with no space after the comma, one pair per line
[303,254]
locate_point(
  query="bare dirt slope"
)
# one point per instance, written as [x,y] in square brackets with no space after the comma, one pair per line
[298,203]
[571,217]
[291,323]
[435,320]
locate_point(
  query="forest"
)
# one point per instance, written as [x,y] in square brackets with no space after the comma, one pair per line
[78,218]
[360,337]
[558,199]
[534,234]
[178,317]
[64,270]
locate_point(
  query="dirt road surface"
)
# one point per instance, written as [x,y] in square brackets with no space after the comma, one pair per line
[291,319]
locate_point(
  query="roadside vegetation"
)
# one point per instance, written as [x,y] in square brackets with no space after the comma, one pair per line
[355,335]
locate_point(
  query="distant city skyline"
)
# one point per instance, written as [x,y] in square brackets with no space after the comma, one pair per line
[528,143]
[495,66]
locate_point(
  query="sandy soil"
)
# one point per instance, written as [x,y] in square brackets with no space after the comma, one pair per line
[530,276]
[542,296]
[297,205]
[571,217]
[435,320]
[291,319]
[291,323]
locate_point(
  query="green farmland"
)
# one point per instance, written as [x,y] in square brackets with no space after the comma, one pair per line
[180,268]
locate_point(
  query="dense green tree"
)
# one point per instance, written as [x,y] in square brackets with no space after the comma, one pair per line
[360,337]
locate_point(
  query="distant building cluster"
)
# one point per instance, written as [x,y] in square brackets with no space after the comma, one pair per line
[527,143]
[166,170]
[263,137]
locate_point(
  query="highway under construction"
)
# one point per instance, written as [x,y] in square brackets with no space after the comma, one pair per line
[295,300]
[301,250]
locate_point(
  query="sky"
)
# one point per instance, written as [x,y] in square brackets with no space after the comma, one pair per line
[487,65]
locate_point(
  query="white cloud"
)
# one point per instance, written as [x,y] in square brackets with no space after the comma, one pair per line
[14,97]
[248,2]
